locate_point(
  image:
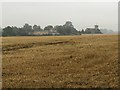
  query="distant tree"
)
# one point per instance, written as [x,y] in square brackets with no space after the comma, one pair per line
[27,29]
[8,31]
[37,28]
[59,29]
[67,29]
[15,30]
[107,31]
[49,27]
[68,24]
[21,32]
[0,31]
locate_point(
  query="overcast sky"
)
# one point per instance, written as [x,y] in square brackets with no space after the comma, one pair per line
[81,14]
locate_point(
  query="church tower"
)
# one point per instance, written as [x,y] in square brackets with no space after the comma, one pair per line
[96,27]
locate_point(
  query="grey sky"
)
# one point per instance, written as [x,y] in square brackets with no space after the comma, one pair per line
[0,14]
[82,14]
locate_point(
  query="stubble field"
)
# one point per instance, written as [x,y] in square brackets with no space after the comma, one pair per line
[60,61]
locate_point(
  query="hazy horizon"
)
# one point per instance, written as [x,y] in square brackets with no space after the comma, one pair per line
[81,14]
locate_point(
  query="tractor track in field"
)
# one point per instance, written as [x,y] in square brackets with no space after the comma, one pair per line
[29,45]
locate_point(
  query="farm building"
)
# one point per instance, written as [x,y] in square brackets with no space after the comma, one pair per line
[94,30]
[46,32]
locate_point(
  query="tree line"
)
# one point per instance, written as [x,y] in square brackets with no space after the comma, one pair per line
[28,30]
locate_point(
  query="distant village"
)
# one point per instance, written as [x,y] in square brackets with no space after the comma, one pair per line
[66,29]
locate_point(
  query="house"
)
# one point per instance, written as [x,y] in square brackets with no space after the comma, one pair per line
[40,33]
[46,32]
[94,30]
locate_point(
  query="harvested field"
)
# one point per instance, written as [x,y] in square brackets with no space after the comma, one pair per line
[60,61]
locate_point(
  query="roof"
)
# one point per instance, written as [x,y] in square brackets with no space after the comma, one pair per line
[90,28]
